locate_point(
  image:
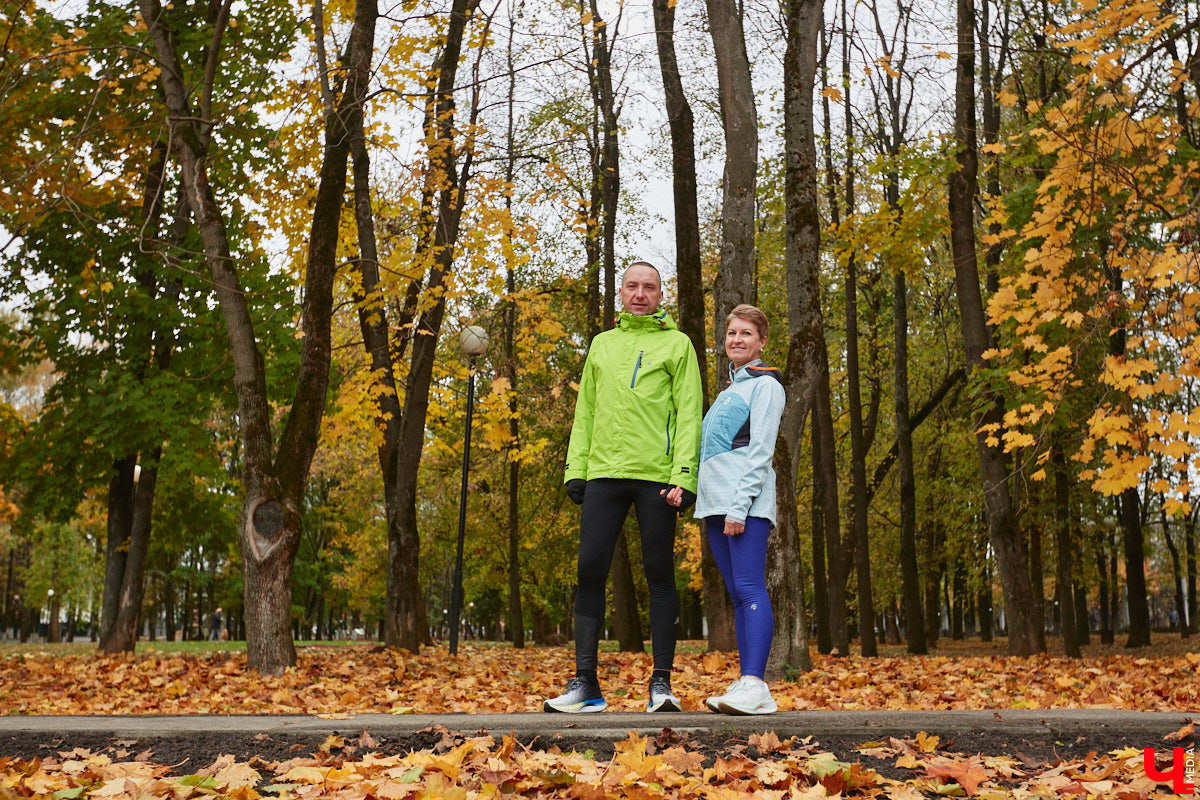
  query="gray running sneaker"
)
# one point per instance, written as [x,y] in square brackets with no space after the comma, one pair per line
[661,698]
[582,696]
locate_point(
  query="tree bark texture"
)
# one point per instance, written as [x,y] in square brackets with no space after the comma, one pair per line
[806,342]
[1007,542]
[120,520]
[1135,571]
[739,118]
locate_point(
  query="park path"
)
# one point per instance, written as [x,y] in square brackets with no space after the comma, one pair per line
[1148,727]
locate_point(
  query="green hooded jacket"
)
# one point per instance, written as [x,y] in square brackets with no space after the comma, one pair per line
[639,409]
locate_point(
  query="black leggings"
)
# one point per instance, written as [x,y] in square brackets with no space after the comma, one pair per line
[605,506]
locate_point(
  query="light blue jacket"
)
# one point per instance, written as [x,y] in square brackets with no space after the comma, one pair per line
[737,444]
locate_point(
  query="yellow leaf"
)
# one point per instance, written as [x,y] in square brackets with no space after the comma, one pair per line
[927,743]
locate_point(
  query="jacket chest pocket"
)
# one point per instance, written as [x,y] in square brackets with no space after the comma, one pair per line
[647,373]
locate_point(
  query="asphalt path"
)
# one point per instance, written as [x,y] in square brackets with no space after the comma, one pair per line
[1149,727]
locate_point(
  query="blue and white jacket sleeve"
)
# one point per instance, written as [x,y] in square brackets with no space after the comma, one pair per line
[766,409]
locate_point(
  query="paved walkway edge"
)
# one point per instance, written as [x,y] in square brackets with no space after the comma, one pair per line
[864,724]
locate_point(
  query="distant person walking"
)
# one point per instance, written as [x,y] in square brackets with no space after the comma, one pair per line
[215,625]
[736,500]
[635,439]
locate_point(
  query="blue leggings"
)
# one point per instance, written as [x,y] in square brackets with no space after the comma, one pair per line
[742,560]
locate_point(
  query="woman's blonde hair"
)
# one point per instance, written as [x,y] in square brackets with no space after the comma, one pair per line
[750,314]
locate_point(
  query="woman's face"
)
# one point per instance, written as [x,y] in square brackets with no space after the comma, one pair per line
[742,342]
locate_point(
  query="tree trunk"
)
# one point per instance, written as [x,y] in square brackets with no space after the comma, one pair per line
[984,601]
[1135,572]
[626,621]
[1064,572]
[120,519]
[718,609]
[931,611]
[600,74]
[1107,611]
[118,634]
[405,626]
[820,576]
[1003,531]
[1189,543]
[1177,574]
[274,476]
[739,117]
[910,576]
[1037,579]
[688,277]
[516,618]
[839,551]
[806,344]
[123,637]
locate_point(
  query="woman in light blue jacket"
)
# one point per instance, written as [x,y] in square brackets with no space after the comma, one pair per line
[736,499]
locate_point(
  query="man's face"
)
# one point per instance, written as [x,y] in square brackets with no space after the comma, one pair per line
[640,290]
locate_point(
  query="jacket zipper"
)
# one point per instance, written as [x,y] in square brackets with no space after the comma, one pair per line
[636,367]
[668,433]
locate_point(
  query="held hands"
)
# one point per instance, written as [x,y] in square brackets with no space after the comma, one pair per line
[679,498]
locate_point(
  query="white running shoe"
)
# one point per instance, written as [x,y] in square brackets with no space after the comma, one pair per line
[714,703]
[748,696]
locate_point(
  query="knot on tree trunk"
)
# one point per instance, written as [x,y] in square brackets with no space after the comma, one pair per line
[267,520]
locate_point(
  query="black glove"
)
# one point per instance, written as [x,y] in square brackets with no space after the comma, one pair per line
[688,500]
[576,488]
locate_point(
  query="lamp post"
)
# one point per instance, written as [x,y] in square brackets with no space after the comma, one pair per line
[474,341]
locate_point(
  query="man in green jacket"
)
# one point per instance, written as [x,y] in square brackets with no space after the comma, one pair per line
[636,436]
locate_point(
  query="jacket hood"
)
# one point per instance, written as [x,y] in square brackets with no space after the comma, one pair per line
[659,319]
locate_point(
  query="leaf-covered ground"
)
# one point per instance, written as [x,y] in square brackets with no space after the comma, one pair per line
[335,681]
[498,679]
[667,766]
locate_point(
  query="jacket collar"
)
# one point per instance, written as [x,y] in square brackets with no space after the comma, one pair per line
[659,320]
[742,373]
